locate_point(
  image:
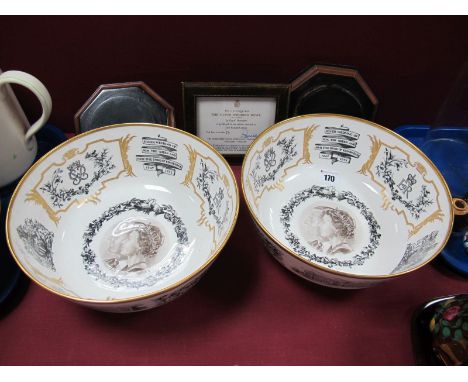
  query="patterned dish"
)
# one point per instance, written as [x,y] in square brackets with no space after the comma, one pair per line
[344,202]
[123,218]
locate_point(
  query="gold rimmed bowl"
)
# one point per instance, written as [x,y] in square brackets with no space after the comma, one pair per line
[344,202]
[123,218]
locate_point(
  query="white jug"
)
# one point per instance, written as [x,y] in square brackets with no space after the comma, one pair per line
[18,146]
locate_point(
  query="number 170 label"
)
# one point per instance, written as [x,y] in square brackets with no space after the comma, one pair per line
[329,177]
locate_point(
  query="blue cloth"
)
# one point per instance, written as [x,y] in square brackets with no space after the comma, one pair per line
[447,148]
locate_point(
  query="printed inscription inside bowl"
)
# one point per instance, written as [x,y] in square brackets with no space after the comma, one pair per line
[328,230]
[132,246]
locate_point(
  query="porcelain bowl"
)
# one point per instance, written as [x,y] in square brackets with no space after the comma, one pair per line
[344,202]
[123,218]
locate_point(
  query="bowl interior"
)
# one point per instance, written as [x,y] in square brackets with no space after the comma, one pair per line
[122,212]
[347,195]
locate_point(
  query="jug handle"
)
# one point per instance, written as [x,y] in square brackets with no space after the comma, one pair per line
[38,89]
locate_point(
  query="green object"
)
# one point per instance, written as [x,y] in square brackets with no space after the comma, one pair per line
[458,335]
[445,332]
[442,327]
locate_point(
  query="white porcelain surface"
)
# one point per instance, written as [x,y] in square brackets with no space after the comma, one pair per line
[344,202]
[123,218]
[18,145]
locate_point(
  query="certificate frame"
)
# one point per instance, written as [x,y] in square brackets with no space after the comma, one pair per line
[192,91]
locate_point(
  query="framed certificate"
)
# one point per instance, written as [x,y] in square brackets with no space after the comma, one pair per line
[230,116]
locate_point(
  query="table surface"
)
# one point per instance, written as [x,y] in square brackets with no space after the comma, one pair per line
[246,310]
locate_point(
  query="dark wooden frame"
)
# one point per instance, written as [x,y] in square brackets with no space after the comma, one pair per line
[192,90]
[365,93]
[140,84]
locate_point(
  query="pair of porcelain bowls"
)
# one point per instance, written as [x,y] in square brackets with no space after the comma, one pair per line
[129,217]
